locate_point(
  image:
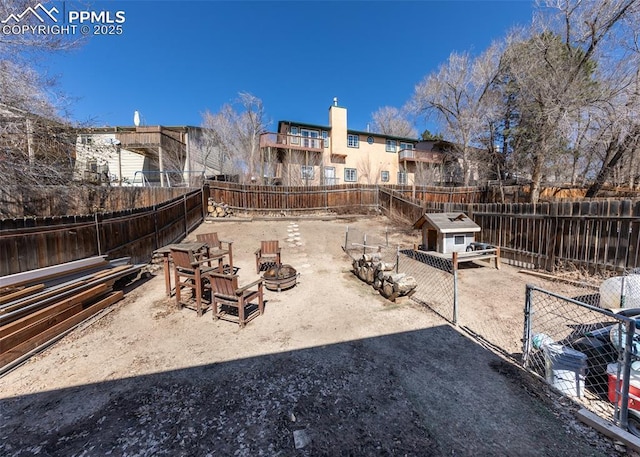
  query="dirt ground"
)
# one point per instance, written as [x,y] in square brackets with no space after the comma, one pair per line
[331,369]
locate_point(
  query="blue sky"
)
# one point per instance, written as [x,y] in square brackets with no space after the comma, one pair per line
[174,60]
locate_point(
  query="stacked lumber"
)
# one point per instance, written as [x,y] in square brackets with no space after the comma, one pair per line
[371,269]
[218,209]
[39,306]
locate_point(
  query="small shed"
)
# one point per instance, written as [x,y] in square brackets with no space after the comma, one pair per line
[446,232]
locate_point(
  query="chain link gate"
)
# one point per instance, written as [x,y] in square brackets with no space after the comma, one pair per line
[436,278]
[583,351]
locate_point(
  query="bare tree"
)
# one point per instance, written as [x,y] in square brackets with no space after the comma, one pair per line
[392,121]
[456,97]
[558,79]
[368,172]
[36,144]
[299,168]
[236,134]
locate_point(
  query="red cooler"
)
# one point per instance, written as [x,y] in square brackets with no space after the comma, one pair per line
[634,386]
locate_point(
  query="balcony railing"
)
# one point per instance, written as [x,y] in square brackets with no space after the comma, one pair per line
[288,141]
[417,155]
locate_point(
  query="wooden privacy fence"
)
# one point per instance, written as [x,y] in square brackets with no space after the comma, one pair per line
[354,197]
[30,243]
[45,201]
[433,194]
[332,198]
[594,235]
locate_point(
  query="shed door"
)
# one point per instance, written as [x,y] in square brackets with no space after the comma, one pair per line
[432,240]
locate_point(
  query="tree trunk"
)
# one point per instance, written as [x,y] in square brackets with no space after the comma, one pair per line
[629,143]
[536,178]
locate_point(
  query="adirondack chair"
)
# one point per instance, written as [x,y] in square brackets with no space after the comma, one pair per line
[269,253]
[218,247]
[190,272]
[226,294]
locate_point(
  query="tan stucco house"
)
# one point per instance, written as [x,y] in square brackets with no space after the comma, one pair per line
[308,154]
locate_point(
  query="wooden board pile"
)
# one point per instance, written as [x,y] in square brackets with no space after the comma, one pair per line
[218,209]
[39,306]
[371,269]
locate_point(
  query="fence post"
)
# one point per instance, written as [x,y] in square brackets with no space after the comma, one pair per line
[364,242]
[95,215]
[155,226]
[205,200]
[454,263]
[346,239]
[526,339]
[629,327]
[398,259]
[186,223]
[326,198]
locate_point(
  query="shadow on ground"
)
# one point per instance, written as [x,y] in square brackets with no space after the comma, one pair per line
[418,393]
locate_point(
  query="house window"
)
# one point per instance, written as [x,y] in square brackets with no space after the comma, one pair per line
[325,138]
[402,177]
[294,135]
[310,138]
[458,239]
[330,176]
[384,176]
[408,146]
[391,145]
[350,175]
[307,171]
[353,141]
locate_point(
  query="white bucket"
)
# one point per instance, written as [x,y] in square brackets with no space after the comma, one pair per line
[565,369]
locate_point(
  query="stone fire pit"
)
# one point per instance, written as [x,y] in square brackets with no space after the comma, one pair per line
[280,277]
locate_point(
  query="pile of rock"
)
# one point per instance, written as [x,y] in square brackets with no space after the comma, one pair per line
[371,269]
[218,209]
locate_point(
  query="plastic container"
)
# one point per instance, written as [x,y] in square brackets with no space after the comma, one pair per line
[620,292]
[540,340]
[565,369]
[615,384]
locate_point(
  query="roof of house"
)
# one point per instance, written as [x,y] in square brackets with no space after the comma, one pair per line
[352,131]
[447,222]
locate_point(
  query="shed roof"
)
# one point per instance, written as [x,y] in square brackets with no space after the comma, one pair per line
[447,222]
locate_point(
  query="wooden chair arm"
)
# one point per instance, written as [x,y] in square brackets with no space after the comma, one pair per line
[258,251]
[242,289]
[221,275]
[203,260]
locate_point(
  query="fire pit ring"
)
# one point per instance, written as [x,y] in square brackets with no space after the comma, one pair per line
[280,277]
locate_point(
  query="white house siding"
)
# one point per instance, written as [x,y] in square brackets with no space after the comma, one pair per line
[449,242]
[99,147]
[203,156]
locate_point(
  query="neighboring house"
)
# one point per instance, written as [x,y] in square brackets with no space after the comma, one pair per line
[446,232]
[308,154]
[34,145]
[146,156]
